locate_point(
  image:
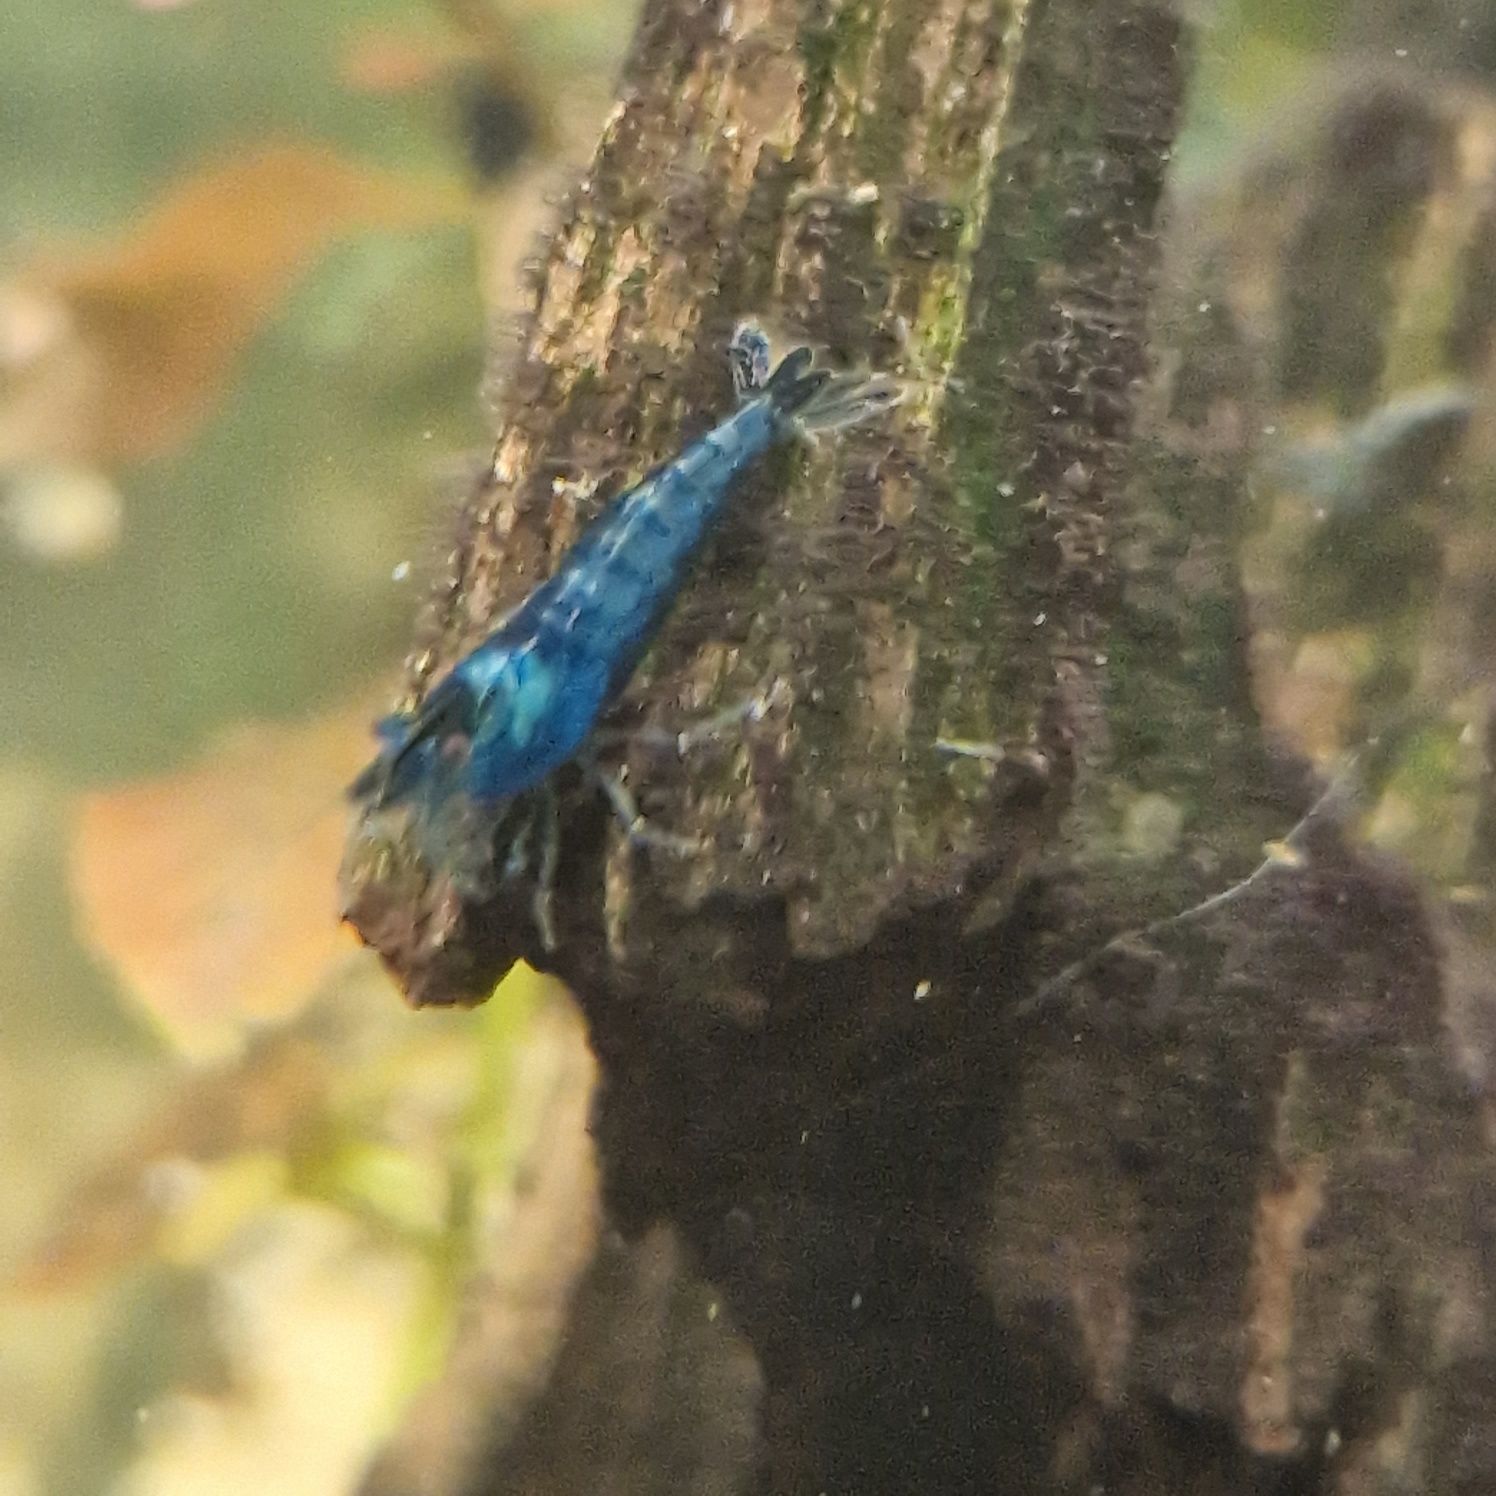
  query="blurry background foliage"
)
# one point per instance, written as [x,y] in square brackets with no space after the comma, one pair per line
[250,256]
[262,1223]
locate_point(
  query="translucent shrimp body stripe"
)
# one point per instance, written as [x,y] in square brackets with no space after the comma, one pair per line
[525,701]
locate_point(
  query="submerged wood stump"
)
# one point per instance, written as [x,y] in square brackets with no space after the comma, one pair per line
[1215,1215]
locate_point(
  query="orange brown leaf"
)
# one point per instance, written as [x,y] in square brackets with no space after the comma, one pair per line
[152,322]
[211,890]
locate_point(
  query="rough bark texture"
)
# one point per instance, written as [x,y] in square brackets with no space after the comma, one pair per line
[1215,1214]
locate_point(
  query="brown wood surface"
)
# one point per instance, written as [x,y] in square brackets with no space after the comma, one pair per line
[1214,1213]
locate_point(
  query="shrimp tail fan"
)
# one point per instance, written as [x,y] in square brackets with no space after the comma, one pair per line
[411,745]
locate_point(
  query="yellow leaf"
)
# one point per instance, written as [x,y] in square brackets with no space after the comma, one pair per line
[217,1201]
[256,1107]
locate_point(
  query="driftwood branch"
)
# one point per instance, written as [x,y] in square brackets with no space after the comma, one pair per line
[1212,1217]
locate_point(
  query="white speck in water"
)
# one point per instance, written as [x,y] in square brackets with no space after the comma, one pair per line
[857,1301]
[1007,490]
[401,571]
[1400,52]
[921,990]
[712,1311]
[1039,619]
[1269,430]
[924,1410]
[1204,306]
[804,1137]
[427,435]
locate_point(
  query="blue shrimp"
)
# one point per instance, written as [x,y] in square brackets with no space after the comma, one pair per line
[526,701]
